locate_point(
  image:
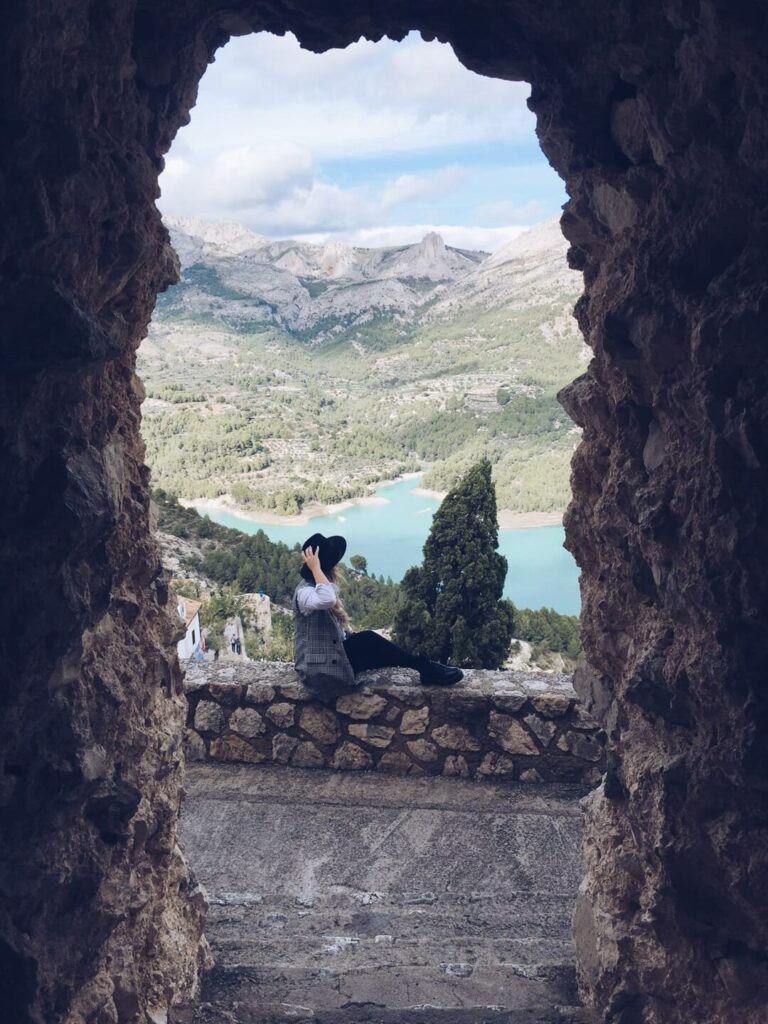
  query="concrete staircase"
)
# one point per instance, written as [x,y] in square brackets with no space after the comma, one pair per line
[359,897]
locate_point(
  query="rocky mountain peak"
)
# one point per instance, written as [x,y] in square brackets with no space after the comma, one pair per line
[432,246]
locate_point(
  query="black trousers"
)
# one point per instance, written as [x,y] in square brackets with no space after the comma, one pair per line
[369,650]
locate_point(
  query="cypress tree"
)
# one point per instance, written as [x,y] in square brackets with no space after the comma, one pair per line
[452,607]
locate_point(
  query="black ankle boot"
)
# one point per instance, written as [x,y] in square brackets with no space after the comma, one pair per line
[432,673]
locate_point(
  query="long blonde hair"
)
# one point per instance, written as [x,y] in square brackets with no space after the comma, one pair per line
[336,575]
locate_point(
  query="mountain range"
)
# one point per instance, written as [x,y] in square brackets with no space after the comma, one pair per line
[324,291]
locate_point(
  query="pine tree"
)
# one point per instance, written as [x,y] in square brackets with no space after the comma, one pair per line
[452,607]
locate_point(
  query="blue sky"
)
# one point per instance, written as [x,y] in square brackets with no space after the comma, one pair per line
[374,145]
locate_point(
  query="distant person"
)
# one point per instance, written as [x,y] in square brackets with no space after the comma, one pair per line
[327,654]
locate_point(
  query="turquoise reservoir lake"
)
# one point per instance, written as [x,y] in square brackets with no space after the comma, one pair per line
[391,535]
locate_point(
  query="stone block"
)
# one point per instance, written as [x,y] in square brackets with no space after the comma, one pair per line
[511,734]
[391,714]
[321,724]
[424,751]
[210,717]
[234,748]
[543,728]
[395,762]
[497,765]
[259,693]
[411,695]
[306,755]
[530,775]
[373,735]
[455,737]
[456,766]
[350,757]
[362,706]
[194,746]
[294,691]
[414,721]
[552,705]
[581,720]
[226,693]
[282,747]
[460,705]
[580,745]
[509,702]
[283,715]
[247,722]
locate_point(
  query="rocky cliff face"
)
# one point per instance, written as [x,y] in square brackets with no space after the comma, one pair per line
[228,272]
[232,274]
[655,117]
[100,920]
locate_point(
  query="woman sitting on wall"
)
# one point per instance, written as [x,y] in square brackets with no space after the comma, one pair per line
[327,654]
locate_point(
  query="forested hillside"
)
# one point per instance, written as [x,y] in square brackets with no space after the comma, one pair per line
[280,375]
[249,563]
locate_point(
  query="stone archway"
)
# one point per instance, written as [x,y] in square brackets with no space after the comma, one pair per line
[655,117]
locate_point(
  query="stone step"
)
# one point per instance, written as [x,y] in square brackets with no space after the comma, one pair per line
[371,834]
[286,1013]
[383,898]
[530,916]
[343,950]
[522,986]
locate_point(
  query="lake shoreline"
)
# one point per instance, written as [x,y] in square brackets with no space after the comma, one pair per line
[508,519]
[271,518]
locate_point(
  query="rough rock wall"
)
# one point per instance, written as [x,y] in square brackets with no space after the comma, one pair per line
[655,116]
[99,919]
[668,523]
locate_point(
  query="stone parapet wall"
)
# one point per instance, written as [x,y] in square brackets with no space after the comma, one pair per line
[502,724]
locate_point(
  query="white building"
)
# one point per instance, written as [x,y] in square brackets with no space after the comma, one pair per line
[189,613]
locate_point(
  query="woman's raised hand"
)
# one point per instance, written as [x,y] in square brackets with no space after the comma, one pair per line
[312,559]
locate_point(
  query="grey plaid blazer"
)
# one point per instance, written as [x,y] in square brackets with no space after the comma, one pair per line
[319,654]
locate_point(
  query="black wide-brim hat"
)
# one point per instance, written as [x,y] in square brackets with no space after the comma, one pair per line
[331,549]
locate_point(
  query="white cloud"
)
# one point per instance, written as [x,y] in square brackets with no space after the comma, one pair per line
[368,99]
[238,178]
[292,206]
[176,168]
[277,139]
[461,236]
[260,174]
[321,207]
[410,187]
